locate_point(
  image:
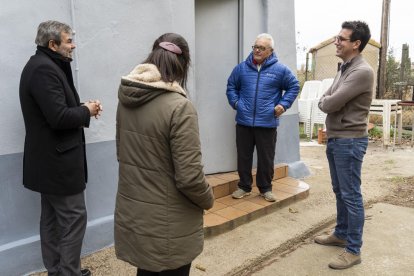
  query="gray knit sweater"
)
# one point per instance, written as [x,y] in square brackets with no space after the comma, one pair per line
[348,100]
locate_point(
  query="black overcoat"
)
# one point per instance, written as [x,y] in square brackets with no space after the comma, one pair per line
[54,159]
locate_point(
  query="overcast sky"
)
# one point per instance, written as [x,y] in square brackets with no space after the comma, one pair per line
[318,20]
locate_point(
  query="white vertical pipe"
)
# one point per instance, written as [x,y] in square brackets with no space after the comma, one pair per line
[241,30]
[75,56]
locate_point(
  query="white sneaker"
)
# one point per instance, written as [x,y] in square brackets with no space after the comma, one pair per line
[269,196]
[239,193]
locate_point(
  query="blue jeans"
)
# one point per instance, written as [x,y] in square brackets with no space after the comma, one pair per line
[345,156]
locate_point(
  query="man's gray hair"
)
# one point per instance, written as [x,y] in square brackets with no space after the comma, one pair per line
[51,30]
[268,37]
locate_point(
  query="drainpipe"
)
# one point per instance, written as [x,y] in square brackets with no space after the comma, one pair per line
[240,30]
[75,55]
[265,22]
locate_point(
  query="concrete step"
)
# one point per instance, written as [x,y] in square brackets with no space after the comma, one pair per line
[229,213]
[225,184]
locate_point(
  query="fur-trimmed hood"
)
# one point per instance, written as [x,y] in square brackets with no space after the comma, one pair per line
[143,84]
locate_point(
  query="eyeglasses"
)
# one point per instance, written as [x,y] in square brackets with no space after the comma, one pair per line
[259,48]
[341,39]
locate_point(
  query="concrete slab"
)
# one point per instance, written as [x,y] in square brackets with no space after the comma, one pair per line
[237,252]
[387,250]
[311,143]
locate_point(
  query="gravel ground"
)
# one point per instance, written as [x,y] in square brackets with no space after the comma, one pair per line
[388,176]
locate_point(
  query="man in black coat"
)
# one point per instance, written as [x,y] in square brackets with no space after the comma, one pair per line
[54,162]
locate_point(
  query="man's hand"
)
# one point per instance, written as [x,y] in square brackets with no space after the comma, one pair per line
[95,107]
[279,110]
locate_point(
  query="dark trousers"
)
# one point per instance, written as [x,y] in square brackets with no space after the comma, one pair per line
[265,141]
[181,271]
[62,227]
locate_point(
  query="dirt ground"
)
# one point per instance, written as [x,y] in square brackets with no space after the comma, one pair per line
[387,176]
[403,193]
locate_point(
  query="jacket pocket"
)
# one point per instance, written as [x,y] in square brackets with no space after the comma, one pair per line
[68,145]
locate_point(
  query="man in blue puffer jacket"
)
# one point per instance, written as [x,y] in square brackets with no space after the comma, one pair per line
[260,89]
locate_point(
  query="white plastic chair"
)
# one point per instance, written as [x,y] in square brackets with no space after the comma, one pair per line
[306,98]
[318,116]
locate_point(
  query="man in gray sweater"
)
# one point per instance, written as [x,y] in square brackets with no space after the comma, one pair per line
[347,104]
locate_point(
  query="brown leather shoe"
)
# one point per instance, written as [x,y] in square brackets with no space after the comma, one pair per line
[330,240]
[345,260]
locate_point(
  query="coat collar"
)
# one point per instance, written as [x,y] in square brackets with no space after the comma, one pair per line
[149,75]
[268,61]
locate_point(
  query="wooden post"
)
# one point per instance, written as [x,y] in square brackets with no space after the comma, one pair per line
[382,68]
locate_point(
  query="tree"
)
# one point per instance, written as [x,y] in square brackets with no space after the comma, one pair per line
[393,73]
[400,76]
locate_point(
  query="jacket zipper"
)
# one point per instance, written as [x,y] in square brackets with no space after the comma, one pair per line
[255,97]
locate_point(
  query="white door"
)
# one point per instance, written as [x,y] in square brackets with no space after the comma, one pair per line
[216,37]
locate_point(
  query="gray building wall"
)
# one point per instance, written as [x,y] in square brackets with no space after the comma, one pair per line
[112,37]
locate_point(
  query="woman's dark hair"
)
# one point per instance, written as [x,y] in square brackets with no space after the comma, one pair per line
[173,67]
[360,31]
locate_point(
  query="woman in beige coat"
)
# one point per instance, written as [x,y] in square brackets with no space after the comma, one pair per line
[162,190]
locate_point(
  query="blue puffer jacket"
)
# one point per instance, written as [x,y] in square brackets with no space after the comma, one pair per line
[258,92]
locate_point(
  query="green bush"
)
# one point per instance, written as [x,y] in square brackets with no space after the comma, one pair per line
[375,132]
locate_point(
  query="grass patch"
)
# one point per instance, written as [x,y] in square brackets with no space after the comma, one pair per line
[398,179]
[375,132]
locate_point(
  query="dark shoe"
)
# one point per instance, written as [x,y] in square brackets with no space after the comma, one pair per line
[331,240]
[345,260]
[86,272]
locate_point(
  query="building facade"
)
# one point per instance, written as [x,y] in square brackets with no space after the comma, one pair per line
[112,37]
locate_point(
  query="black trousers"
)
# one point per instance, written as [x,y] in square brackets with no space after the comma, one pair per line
[265,141]
[181,271]
[62,228]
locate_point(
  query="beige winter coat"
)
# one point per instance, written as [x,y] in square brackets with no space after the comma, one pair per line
[162,190]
